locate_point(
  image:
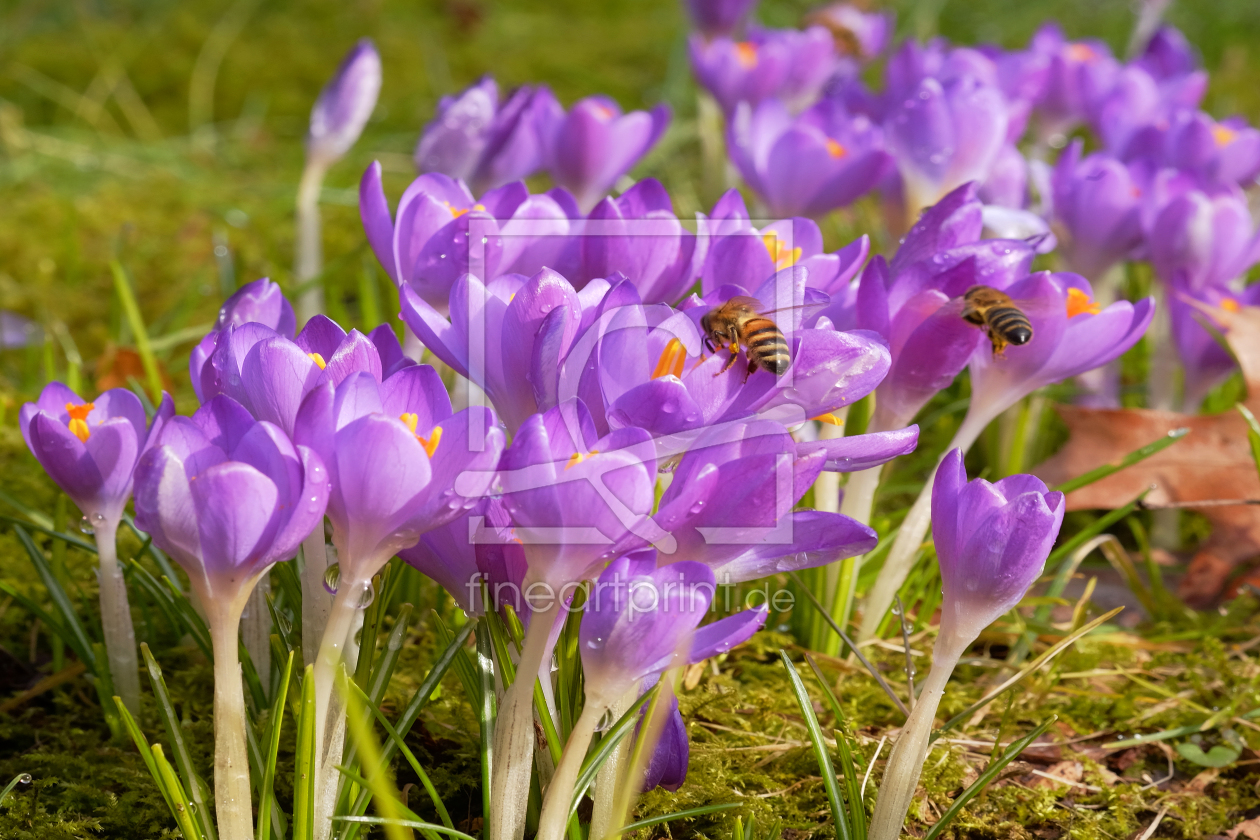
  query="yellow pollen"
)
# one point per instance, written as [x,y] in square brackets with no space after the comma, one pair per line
[578,457]
[746,54]
[455,211]
[1079,303]
[78,419]
[829,418]
[1231,305]
[783,256]
[430,445]
[1223,135]
[835,149]
[318,359]
[672,359]
[1081,52]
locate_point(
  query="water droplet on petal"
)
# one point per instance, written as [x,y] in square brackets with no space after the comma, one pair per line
[86,526]
[332,578]
[367,596]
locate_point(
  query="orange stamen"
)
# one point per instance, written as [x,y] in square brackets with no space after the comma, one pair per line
[1079,303]
[1223,135]
[783,256]
[318,359]
[835,149]
[603,112]
[746,54]
[1081,52]
[431,443]
[672,359]
[577,458]
[78,419]
[1231,305]
[828,418]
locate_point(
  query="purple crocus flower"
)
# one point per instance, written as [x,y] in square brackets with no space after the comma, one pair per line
[16,331]
[228,496]
[1222,153]
[788,64]
[638,236]
[595,144]
[477,139]
[945,135]
[427,246]
[345,104]
[810,165]
[90,448]
[739,254]
[1097,210]
[992,541]
[260,302]
[719,17]
[1078,72]
[1205,362]
[1202,241]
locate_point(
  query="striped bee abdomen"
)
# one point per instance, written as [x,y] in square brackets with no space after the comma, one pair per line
[766,345]
[1010,323]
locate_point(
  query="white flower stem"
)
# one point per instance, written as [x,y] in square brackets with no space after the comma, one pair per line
[607,783]
[905,762]
[555,808]
[514,732]
[120,634]
[915,526]
[316,601]
[233,807]
[330,719]
[256,630]
[309,259]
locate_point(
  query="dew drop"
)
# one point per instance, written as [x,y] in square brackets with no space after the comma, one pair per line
[332,577]
[98,518]
[24,779]
[86,526]
[606,721]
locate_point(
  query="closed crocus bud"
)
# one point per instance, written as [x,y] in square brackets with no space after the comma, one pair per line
[992,541]
[260,302]
[945,135]
[1201,241]
[1206,363]
[1078,72]
[453,142]
[595,144]
[1096,211]
[719,17]
[227,496]
[638,235]
[90,450]
[345,104]
[809,165]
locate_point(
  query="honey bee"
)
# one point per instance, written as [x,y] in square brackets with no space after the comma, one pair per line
[738,322]
[1005,322]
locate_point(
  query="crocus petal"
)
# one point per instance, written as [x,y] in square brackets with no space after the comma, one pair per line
[861,452]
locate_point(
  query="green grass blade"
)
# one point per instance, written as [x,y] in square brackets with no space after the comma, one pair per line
[683,815]
[402,747]
[853,787]
[175,605]
[990,773]
[384,668]
[87,655]
[1129,460]
[68,539]
[65,609]
[465,669]
[304,765]
[276,724]
[179,750]
[122,285]
[1253,433]
[19,779]
[137,737]
[838,812]
[185,817]
[487,711]
[380,783]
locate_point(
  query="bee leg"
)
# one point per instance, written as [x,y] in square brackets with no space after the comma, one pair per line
[728,364]
[752,367]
